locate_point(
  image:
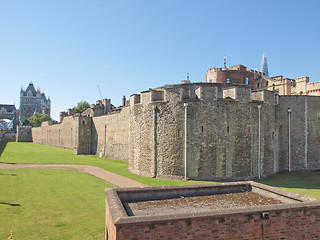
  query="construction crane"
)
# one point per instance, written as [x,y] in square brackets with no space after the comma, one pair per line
[99,91]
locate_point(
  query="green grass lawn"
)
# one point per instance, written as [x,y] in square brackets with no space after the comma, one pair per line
[28,153]
[307,184]
[51,204]
[65,204]
[303,183]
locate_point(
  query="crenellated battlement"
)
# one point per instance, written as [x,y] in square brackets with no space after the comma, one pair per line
[203,131]
[200,91]
[24,134]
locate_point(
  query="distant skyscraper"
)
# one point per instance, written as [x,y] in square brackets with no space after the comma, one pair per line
[264,65]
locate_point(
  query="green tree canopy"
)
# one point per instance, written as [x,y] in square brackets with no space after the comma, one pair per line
[81,106]
[38,118]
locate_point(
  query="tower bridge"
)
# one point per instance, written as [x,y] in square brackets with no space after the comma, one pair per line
[8,117]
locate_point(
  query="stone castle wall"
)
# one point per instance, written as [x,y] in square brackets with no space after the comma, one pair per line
[201,131]
[110,135]
[7,136]
[63,135]
[304,133]
[222,134]
[24,134]
[106,135]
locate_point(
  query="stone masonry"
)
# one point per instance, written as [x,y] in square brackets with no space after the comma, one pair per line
[204,131]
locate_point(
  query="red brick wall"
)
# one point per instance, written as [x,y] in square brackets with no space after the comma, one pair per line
[110,227]
[288,223]
[235,76]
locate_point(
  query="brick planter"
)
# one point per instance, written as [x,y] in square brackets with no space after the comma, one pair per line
[297,217]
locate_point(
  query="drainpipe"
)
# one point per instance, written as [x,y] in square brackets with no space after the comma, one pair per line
[185,139]
[306,133]
[105,140]
[154,170]
[289,139]
[259,142]
[90,136]
[79,131]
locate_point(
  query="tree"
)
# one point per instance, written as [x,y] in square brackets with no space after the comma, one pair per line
[81,106]
[26,123]
[38,118]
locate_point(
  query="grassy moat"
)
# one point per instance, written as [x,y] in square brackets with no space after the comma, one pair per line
[66,204]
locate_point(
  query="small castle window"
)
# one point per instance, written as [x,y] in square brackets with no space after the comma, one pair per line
[228,80]
[249,130]
[228,129]
[273,87]
[83,122]
[202,129]
[272,135]
[247,80]
[258,84]
[178,132]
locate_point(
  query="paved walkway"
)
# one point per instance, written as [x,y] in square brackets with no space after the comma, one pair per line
[110,177]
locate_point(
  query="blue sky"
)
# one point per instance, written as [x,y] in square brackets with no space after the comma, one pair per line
[67,47]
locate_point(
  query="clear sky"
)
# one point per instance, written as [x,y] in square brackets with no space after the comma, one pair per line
[67,47]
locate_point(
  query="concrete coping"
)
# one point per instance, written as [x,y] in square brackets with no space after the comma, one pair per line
[115,198]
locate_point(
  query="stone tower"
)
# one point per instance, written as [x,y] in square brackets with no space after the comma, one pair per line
[32,100]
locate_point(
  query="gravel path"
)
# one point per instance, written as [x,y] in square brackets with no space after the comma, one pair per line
[115,179]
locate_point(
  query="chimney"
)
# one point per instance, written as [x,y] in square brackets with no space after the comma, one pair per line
[124,101]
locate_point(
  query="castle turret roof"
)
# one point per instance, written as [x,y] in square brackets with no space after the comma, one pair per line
[31,89]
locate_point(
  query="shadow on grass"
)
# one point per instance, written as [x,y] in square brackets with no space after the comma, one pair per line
[2,147]
[306,180]
[8,174]
[11,204]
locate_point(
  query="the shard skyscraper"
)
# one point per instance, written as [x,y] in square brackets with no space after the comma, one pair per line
[264,65]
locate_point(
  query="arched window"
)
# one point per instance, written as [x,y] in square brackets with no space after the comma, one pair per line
[247,80]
